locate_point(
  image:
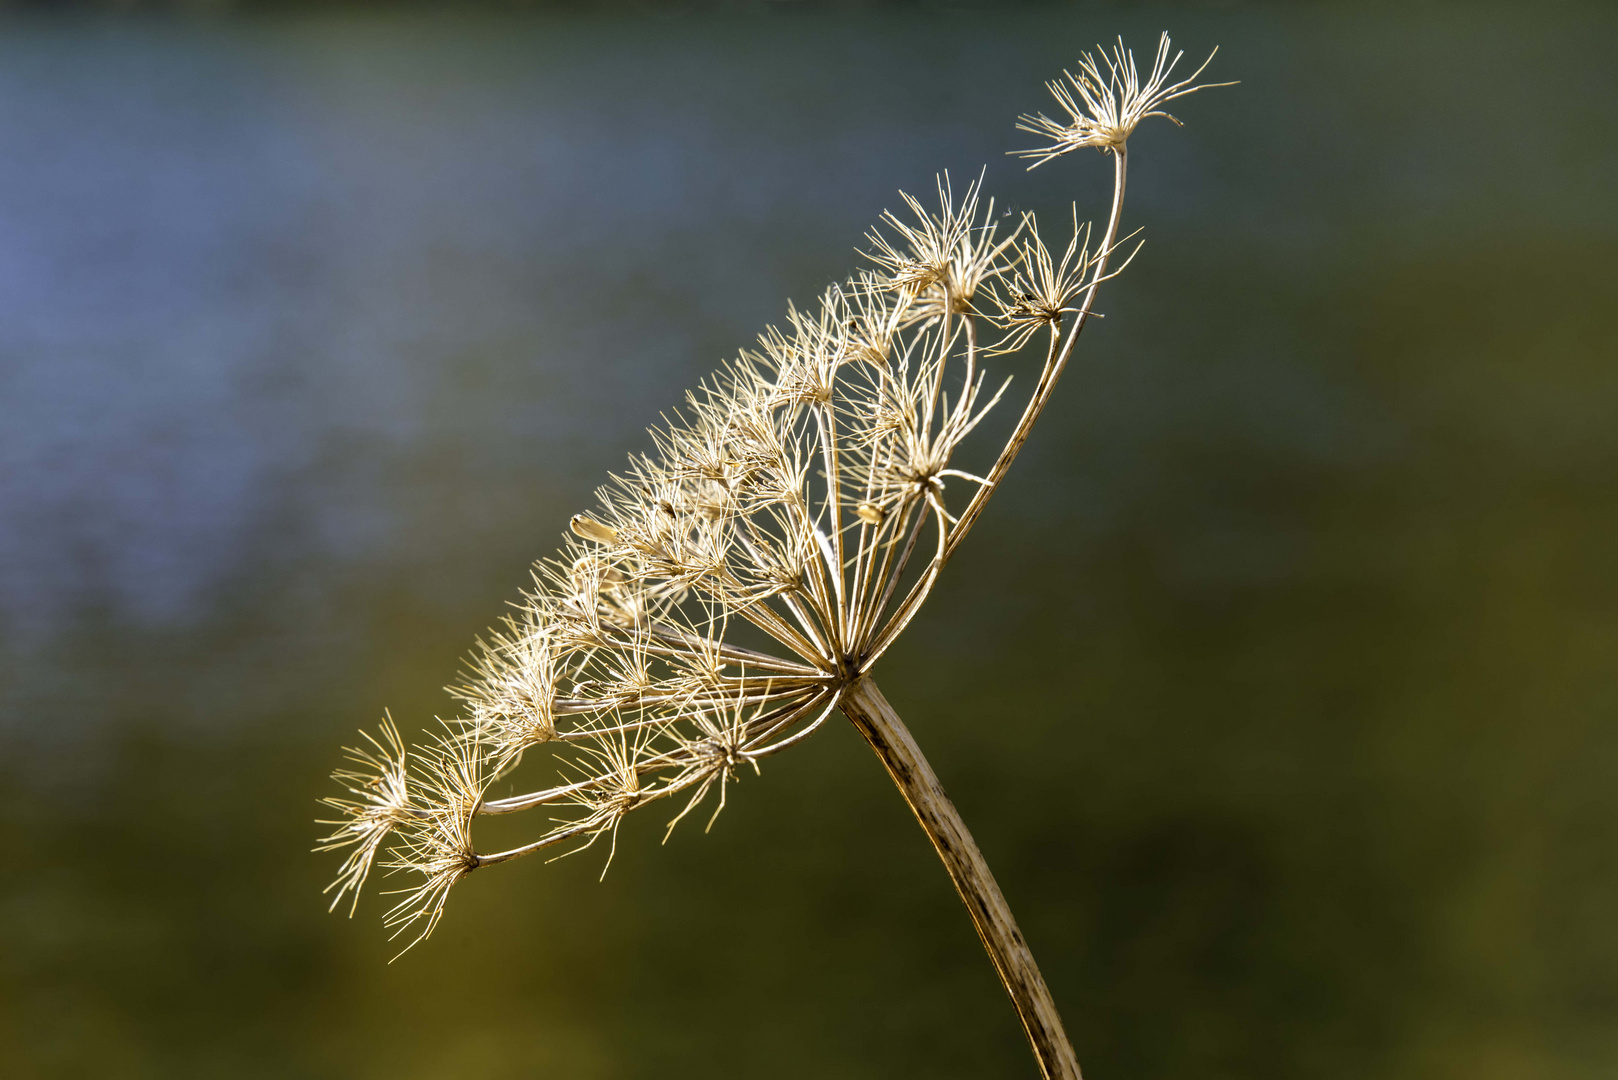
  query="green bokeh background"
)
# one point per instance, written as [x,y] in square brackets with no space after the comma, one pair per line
[1278,684]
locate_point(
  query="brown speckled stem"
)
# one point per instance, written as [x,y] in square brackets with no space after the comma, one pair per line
[870,712]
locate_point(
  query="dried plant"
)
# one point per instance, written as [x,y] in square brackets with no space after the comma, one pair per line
[734,588]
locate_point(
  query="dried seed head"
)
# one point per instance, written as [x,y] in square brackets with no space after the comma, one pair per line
[381,803]
[1106,99]
[436,840]
[439,849]
[1042,288]
[511,689]
[714,605]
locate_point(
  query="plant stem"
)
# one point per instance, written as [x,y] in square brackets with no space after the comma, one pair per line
[1057,362]
[870,712]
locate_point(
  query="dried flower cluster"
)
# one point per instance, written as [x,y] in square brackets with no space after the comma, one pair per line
[1103,108]
[729,587]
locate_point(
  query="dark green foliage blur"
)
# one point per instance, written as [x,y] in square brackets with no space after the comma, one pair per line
[1279,684]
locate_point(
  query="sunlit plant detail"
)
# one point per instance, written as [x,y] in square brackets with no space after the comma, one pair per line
[734,588]
[1106,99]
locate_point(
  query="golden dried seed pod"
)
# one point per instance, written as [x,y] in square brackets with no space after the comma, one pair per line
[590,529]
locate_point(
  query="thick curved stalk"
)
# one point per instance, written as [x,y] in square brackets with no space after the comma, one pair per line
[870,712]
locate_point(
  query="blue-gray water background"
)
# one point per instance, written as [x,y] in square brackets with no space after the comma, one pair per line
[1278,683]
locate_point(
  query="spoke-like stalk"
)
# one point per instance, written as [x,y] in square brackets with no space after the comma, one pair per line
[827,426]
[890,574]
[870,712]
[1053,369]
[918,592]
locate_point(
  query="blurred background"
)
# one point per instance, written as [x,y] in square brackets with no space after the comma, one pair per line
[1278,684]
